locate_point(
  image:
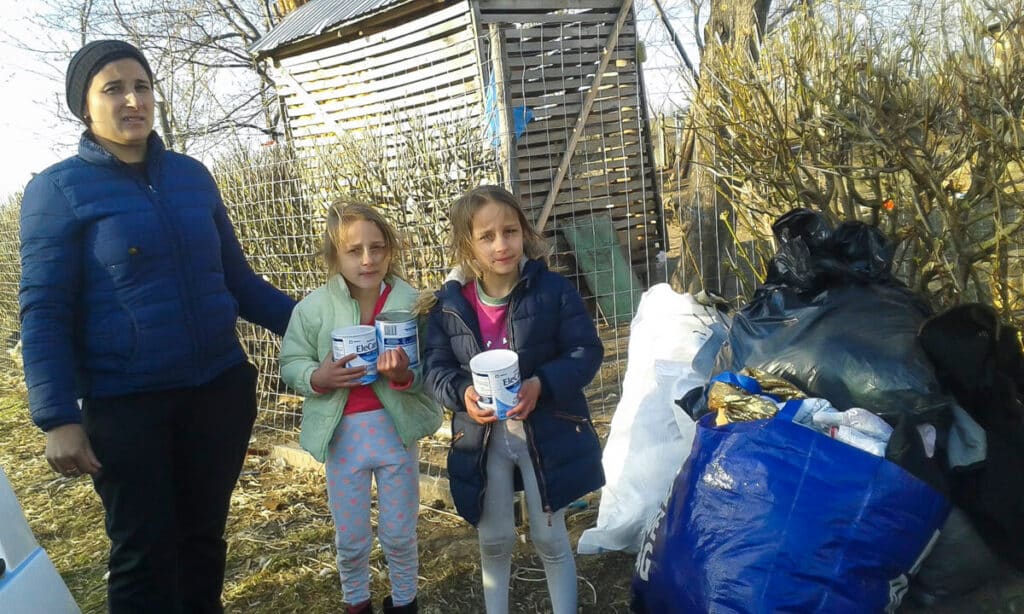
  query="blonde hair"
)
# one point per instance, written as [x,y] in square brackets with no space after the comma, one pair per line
[461,217]
[343,212]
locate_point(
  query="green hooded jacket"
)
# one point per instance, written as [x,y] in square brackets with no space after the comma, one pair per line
[308,340]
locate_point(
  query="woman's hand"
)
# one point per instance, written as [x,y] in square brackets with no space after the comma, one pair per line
[69,453]
[481,416]
[529,392]
[333,374]
[394,365]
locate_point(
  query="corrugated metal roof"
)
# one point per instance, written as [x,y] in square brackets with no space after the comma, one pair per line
[316,17]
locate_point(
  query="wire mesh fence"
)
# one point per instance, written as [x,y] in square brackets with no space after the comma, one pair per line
[608,223]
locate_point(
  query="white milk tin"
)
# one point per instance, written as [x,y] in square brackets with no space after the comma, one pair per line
[496,379]
[397,329]
[361,341]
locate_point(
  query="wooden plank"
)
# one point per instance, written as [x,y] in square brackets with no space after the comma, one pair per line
[622,206]
[559,18]
[565,46]
[637,186]
[607,121]
[606,106]
[550,72]
[341,110]
[460,55]
[602,184]
[625,165]
[456,15]
[570,110]
[604,92]
[384,126]
[597,147]
[624,55]
[443,107]
[493,6]
[507,159]
[525,89]
[553,32]
[626,128]
[627,214]
[609,133]
[580,199]
[542,156]
[412,49]
[580,78]
[407,85]
[309,105]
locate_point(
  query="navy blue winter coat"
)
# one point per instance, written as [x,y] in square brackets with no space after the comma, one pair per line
[128,284]
[555,338]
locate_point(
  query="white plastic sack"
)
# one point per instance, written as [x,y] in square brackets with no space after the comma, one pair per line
[650,437]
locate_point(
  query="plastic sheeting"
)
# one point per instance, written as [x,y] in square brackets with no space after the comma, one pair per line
[650,438]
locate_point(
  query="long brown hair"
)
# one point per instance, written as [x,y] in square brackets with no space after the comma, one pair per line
[343,212]
[461,216]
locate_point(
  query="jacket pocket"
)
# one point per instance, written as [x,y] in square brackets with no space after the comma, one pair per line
[111,340]
[467,434]
[582,424]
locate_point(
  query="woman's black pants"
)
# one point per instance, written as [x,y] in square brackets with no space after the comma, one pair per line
[170,461]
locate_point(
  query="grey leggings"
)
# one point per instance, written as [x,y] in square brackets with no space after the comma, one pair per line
[508,449]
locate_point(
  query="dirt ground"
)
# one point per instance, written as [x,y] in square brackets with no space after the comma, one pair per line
[280,554]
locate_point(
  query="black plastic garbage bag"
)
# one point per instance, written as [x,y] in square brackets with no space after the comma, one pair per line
[981,362]
[958,563]
[832,320]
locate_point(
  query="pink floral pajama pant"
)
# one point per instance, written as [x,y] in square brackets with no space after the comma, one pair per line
[366,444]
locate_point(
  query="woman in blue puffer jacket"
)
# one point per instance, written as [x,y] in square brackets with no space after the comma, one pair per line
[132,282]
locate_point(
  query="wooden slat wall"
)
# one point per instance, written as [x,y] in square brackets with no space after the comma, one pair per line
[552,56]
[425,68]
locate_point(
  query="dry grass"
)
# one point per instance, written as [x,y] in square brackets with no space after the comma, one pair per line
[280,553]
[280,549]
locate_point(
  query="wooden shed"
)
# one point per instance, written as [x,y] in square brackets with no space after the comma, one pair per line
[555,87]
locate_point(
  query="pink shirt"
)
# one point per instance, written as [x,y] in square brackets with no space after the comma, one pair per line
[493,327]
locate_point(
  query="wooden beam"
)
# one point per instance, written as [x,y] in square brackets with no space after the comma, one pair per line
[280,74]
[545,17]
[506,130]
[496,6]
[577,132]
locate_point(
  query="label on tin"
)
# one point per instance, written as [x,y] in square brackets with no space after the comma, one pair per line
[397,329]
[361,341]
[496,379]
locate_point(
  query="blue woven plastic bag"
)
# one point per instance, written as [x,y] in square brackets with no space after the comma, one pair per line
[771,516]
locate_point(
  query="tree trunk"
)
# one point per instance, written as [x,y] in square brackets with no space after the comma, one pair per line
[734,29]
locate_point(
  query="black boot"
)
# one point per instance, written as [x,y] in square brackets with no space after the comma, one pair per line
[409,608]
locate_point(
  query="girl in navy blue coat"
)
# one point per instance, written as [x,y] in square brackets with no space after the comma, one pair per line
[502,295]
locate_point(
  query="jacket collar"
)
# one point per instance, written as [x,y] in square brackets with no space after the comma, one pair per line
[456,279]
[94,153]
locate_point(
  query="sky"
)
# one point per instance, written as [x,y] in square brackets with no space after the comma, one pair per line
[33,93]
[35,137]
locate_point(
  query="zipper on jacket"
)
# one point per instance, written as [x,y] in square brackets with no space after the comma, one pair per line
[534,452]
[185,288]
[481,460]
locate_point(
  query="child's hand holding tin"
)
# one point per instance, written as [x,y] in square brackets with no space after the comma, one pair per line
[529,392]
[333,374]
[394,365]
[482,415]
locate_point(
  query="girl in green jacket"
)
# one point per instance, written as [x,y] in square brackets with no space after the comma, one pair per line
[360,427]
